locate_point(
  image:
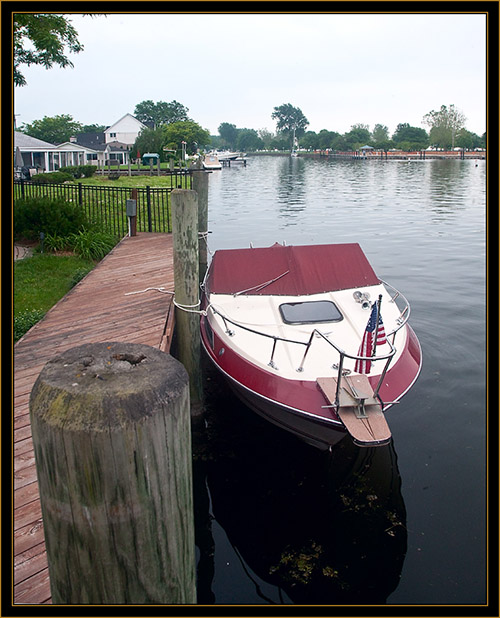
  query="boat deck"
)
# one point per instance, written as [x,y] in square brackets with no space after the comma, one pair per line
[95,310]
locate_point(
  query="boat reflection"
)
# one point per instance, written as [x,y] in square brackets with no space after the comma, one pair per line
[319,527]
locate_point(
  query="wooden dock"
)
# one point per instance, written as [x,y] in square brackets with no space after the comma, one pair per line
[97,309]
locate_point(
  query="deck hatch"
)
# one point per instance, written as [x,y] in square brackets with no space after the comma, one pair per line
[310,312]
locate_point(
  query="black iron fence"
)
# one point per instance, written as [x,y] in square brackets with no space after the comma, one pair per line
[106,206]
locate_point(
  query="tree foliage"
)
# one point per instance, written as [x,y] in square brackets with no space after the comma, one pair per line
[410,138]
[42,39]
[55,130]
[160,113]
[290,120]
[186,131]
[444,125]
[229,134]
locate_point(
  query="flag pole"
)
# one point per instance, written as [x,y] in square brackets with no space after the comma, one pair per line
[379,302]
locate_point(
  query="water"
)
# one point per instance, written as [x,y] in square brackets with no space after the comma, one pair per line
[278,521]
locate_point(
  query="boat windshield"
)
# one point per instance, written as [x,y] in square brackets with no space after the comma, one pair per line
[310,312]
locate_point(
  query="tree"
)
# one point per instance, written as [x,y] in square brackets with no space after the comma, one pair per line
[290,121]
[185,131]
[229,134]
[149,140]
[93,128]
[444,125]
[358,136]
[326,139]
[380,136]
[266,136]
[55,130]
[467,139]
[158,114]
[410,138]
[42,39]
[248,139]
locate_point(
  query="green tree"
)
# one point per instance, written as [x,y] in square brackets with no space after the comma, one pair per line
[149,140]
[380,136]
[444,125]
[410,138]
[93,128]
[248,139]
[160,113]
[358,136]
[55,130]
[229,134]
[42,39]
[467,139]
[327,139]
[266,136]
[289,121]
[310,140]
[185,131]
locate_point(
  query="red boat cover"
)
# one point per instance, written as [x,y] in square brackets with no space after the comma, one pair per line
[312,269]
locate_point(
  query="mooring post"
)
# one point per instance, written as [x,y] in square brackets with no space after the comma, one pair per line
[186,285]
[200,185]
[112,442]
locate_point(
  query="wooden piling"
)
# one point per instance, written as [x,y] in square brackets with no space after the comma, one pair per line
[111,434]
[200,185]
[186,285]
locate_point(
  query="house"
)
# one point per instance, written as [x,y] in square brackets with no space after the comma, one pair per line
[124,130]
[82,149]
[40,156]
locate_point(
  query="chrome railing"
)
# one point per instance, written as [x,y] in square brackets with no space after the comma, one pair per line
[315,332]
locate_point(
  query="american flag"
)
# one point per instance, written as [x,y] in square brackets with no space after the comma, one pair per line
[366,347]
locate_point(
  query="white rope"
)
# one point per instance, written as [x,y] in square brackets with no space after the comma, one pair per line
[190,308]
[160,289]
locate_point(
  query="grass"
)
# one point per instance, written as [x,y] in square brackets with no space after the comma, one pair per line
[39,282]
[128,181]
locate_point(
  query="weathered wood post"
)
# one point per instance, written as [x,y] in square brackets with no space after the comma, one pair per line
[186,285]
[132,218]
[200,185]
[111,433]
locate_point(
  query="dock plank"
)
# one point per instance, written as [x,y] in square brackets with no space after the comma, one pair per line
[99,308]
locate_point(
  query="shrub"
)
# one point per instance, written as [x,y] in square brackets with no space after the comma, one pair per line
[53,242]
[92,244]
[77,171]
[54,217]
[52,178]
[25,320]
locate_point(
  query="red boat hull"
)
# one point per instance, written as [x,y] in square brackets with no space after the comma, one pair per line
[298,405]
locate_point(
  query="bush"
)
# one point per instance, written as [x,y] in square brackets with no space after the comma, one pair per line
[55,242]
[77,171]
[25,320]
[52,217]
[52,178]
[92,244]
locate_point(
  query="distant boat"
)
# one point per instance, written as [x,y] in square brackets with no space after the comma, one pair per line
[225,155]
[211,162]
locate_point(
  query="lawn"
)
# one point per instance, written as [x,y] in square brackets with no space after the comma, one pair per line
[39,282]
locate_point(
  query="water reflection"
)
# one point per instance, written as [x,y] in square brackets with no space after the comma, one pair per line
[291,188]
[308,527]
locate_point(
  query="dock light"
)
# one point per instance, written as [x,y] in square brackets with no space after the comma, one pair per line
[363,298]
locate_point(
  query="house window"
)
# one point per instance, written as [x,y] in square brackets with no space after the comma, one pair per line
[112,135]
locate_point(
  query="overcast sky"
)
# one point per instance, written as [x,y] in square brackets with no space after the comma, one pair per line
[339,69]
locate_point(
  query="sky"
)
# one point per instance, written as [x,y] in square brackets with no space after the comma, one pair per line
[339,69]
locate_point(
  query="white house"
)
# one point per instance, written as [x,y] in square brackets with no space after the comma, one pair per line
[124,130]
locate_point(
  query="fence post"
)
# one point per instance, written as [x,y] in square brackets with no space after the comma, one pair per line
[133,219]
[148,201]
[112,441]
[186,285]
[80,194]
[200,185]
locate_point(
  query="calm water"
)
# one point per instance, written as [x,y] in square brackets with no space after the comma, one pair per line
[278,521]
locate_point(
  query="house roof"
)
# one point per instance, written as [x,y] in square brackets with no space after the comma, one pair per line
[26,141]
[110,128]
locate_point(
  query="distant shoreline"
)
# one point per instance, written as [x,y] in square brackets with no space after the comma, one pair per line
[380,154]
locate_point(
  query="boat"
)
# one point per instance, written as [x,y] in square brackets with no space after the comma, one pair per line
[226,155]
[211,162]
[310,338]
